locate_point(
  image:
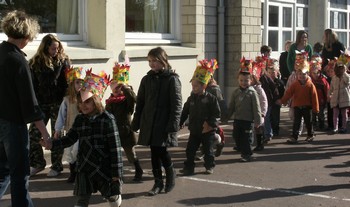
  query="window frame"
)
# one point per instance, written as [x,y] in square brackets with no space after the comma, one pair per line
[80,37]
[160,38]
[346,31]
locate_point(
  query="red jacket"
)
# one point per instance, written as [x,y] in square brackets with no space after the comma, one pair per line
[322,88]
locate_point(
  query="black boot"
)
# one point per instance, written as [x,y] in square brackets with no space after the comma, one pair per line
[170,178]
[259,143]
[158,183]
[138,171]
[73,173]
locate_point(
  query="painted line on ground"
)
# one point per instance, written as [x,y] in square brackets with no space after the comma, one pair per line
[267,189]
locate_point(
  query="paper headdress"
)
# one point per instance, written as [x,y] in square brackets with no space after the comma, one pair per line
[204,70]
[74,73]
[120,74]
[273,63]
[315,63]
[343,59]
[94,85]
[246,65]
[301,62]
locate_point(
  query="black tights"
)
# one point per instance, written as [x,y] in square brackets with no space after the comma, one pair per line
[160,157]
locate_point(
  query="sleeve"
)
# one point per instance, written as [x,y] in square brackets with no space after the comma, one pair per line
[346,79]
[113,141]
[215,113]
[231,106]
[130,98]
[140,103]
[185,112]
[263,101]
[62,116]
[309,50]
[256,108]
[175,105]
[29,105]
[288,94]
[71,137]
[291,58]
[314,99]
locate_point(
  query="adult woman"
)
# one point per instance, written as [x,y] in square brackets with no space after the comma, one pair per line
[331,48]
[301,44]
[48,71]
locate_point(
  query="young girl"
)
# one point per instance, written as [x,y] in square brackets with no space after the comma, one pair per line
[121,104]
[157,115]
[340,96]
[48,67]
[99,161]
[259,131]
[67,113]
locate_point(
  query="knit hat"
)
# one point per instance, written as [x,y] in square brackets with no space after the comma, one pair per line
[94,85]
[205,70]
[301,62]
[74,73]
[120,75]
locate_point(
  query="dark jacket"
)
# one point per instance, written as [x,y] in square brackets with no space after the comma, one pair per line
[270,89]
[331,54]
[50,83]
[18,102]
[285,73]
[158,109]
[122,112]
[200,108]
[216,91]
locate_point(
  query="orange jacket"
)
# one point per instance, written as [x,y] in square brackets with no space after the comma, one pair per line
[302,95]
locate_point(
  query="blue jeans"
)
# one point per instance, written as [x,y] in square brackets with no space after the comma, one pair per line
[267,123]
[14,156]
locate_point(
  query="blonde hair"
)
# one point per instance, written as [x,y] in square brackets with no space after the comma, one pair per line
[42,55]
[330,38]
[17,25]
[71,92]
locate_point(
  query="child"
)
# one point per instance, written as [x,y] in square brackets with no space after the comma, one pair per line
[67,113]
[99,160]
[322,88]
[272,72]
[203,110]
[259,132]
[304,102]
[121,104]
[246,109]
[318,47]
[48,67]
[340,95]
[157,115]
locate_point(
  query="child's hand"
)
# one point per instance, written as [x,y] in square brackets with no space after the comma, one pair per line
[182,126]
[207,128]
[278,102]
[47,143]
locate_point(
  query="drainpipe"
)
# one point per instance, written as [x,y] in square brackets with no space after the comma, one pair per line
[221,45]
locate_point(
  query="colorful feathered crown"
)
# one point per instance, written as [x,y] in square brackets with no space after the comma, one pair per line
[246,65]
[315,63]
[344,58]
[121,74]
[74,73]
[204,70]
[94,85]
[301,61]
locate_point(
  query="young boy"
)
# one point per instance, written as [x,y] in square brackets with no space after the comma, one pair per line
[304,101]
[272,72]
[245,107]
[203,110]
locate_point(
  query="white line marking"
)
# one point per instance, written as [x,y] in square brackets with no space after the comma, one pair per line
[267,189]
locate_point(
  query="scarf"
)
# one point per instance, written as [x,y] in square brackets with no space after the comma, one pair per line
[115,99]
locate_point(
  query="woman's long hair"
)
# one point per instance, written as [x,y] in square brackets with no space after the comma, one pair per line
[159,54]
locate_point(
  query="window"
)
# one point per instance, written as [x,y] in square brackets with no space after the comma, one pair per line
[152,21]
[339,14]
[54,16]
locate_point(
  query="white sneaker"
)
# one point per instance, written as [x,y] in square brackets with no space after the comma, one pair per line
[117,201]
[34,171]
[4,184]
[53,173]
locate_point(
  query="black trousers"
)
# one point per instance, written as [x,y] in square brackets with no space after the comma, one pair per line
[299,113]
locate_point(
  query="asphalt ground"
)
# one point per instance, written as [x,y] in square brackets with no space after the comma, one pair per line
[282,175]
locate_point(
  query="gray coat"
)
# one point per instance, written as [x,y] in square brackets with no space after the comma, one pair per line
[158,109]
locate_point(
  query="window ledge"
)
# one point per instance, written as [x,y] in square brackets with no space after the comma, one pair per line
[173,51]
[77,52]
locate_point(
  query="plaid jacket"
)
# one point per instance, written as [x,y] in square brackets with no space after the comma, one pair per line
[99,154]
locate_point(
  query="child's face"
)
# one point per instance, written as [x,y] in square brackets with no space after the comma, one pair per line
[197,87]
[78,84]
[117,90]
[302,76]
[87,107]
[330,72]
[53,49]
[154,64]
[272,73]
[244,81]
[314,74]
[287,46]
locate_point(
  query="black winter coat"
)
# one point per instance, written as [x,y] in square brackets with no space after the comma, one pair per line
[158,109]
